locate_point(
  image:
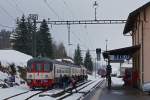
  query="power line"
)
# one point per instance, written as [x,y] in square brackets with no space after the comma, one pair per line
[2,8]
[6,26]
[69,9]
[79,39]
[86,29]
[50,8]
[74,22]
[14,6]
[8,2]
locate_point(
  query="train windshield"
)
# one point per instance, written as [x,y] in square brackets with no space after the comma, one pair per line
[38,67]
[48,67]
[29,68]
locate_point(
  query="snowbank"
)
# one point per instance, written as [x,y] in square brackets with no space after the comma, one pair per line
[11,91]
[3,76]
[117,81]
[146,87]
[12,56]
[65,59]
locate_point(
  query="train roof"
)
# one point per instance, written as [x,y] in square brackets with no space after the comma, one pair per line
[44,59]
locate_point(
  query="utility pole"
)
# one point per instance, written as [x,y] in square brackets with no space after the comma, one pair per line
[68,26]
[69,43]
[95,5]
[34,17]
[95,66]
[106,43]
[85,22]
[108,68]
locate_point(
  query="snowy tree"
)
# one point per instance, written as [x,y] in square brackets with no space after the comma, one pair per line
[77,56]
[88,61]
[44,41]
[21,39]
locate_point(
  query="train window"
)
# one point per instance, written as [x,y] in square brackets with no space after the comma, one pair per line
[29,68]
[51,66]
[48,67]
[38,67]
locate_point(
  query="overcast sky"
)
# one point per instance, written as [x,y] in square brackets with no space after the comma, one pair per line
[88,36]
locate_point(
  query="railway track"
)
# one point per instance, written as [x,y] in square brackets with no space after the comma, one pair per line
[62,92]
[15,95]
[97,86]
[30,94]
[78,88]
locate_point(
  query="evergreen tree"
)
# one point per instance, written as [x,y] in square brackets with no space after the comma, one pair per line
[23,72]
[30,29]
[44,41]
[77,56]
[59,51]
[21,39]
[88,61]
[13,69]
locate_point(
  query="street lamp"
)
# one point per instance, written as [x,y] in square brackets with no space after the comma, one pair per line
[95,5]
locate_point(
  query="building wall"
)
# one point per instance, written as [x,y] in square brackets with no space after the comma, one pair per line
[141,36]
[147,45]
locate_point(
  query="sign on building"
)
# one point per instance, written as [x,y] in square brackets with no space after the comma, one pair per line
[118,58]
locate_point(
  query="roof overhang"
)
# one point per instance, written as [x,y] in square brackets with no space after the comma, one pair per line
[132,18]
[121,52]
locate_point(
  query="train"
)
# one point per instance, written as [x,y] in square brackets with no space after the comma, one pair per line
[46,73]
[102,72]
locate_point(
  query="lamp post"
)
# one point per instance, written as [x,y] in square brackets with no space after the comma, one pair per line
[95,5]
[106,43]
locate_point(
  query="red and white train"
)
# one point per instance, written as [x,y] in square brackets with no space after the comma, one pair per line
[45,73]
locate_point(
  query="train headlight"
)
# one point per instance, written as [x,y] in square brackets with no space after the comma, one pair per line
[46,76]
[29,81]
[30,76]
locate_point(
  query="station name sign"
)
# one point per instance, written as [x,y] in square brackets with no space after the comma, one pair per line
[118,58]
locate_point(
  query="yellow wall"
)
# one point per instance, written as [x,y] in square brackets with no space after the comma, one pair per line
[137,39]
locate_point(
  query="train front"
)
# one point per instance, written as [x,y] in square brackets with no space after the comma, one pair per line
[40,73]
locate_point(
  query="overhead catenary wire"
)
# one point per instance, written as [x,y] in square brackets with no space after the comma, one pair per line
[4,10]
[15,5]
[79,40]
[51,9]
[1,25]
[86,29]
[68,8]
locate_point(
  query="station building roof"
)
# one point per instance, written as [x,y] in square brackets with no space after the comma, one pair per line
[122,51]
[132,18]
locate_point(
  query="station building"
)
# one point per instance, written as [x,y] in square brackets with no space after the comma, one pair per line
[138,26]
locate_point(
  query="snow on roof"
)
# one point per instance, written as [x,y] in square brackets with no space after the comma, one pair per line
[69,60]
[12,56]
[126,65]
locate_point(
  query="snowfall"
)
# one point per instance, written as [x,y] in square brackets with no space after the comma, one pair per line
[20,59]
[10,91]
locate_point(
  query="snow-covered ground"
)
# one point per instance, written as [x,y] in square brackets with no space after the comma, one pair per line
[117,81]
[146,87]
[74,96]
[12,56]
[7,92]
[3,76]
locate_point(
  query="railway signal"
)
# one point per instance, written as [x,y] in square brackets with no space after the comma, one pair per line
[98,52]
